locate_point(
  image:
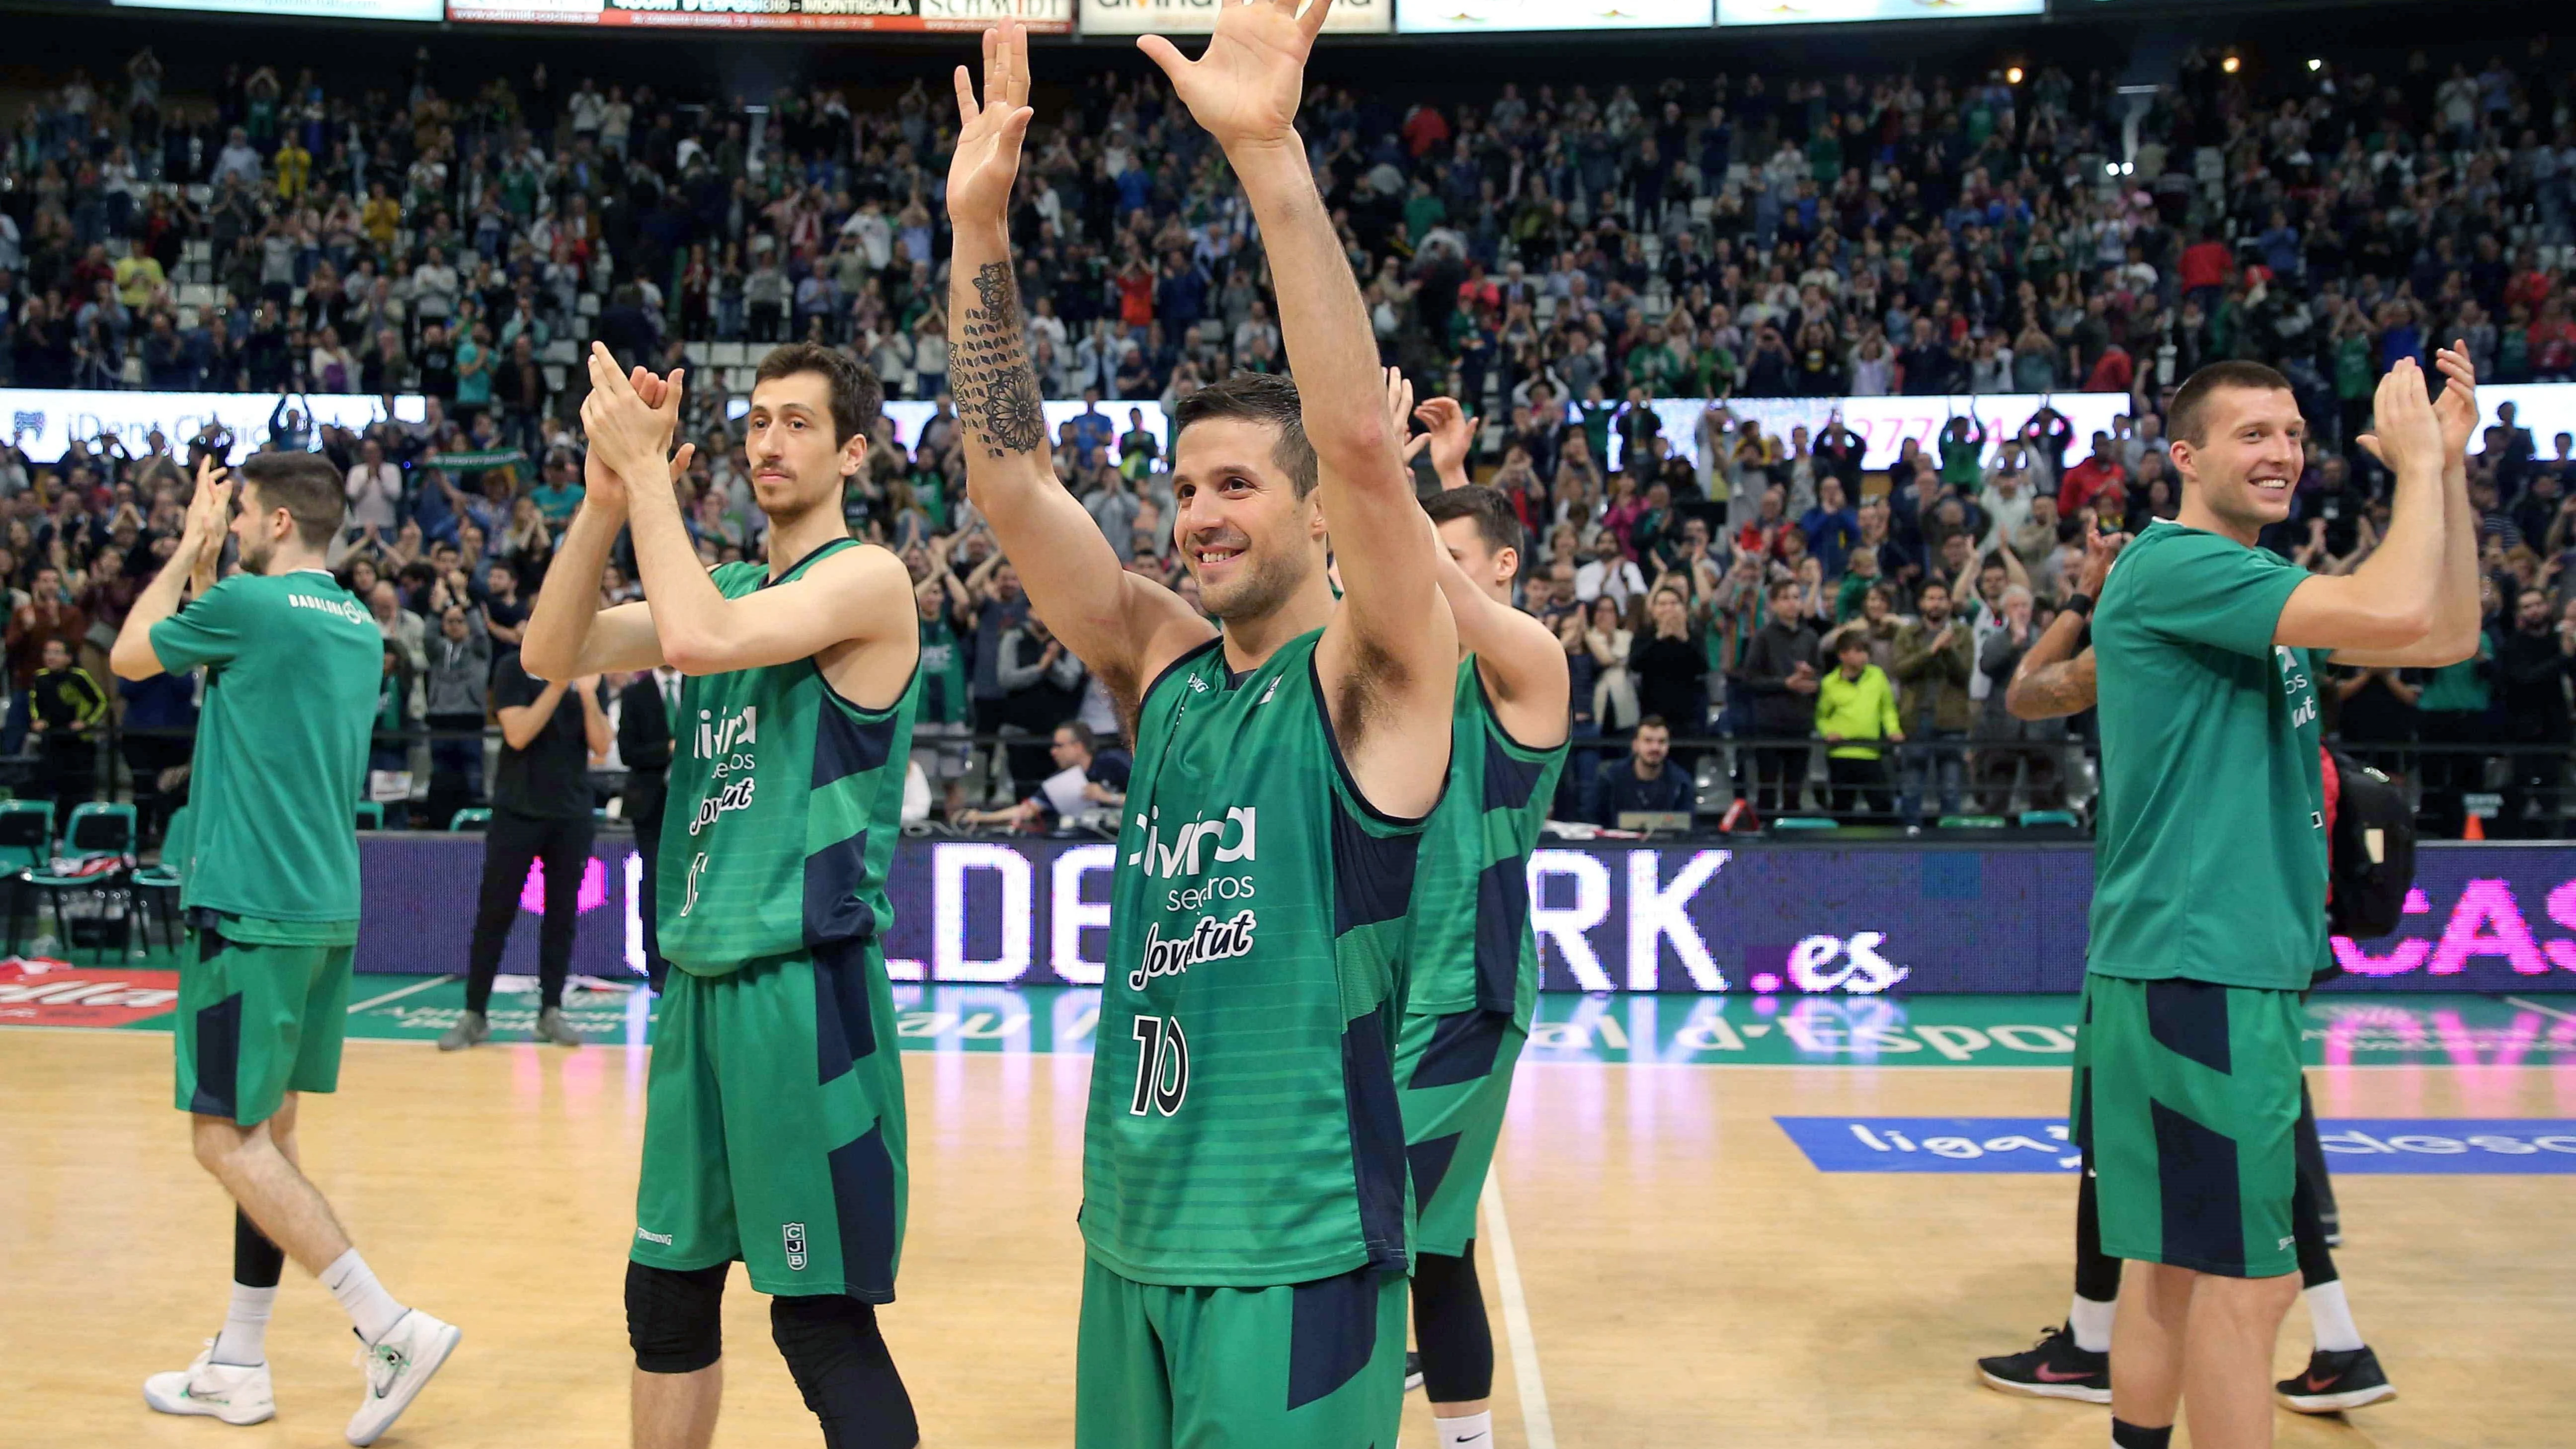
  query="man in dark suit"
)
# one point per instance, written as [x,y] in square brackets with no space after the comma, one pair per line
[644,716]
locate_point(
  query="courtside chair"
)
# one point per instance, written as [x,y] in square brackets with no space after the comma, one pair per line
[472,817]
[26,834]
[371,815]
[158,885]
[97,830]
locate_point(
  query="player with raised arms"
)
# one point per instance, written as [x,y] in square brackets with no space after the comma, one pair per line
[1474,957]
[2209,909]
[292,666]
[2056,678]
[774,1114]
[1244,1195]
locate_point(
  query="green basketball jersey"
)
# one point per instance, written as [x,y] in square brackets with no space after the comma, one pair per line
[1243,1127]
[292,667]
[2210,852]
[1472,944]
[784,805]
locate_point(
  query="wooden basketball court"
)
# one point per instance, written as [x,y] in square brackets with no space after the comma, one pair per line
[1667,1270]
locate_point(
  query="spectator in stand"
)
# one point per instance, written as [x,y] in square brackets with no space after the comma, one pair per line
[1780,672]
[1086,778]
[1856,717]
[2533,664]
[455,687]
[1645,782]
[66,710]
[1933,658]
[2099,470]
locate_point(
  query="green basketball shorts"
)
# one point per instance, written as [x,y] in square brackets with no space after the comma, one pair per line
[774,1125]
[257,1021]
[1456,1073]
[1302,1366]
[2186,1105]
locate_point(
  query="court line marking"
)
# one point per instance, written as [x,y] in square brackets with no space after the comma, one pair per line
[1536,1422]
[398,995]
[2543,1010]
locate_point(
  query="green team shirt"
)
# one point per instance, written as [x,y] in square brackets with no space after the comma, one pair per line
[2210,853]
[943,671]
[1243,1128]
[292,667]
[1472,945]
[785,800]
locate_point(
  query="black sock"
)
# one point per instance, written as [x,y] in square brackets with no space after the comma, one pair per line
[2130,1436]
[257,1262]
[1449,1325]
[2096,1277]
[841,1366]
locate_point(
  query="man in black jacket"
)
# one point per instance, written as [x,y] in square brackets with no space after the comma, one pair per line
[1780,669]
[2534,662]
[645,712]
[541,811]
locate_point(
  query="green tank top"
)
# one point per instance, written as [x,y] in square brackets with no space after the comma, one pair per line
[785,800]
[1472,945]
[1243,1127]
[943,673]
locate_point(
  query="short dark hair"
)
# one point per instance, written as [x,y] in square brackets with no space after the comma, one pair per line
[306,486]
[1083,735]
[1257,397]
[1653,722]
[2186,417]
[857,396]
[1784,586]
[1496,522]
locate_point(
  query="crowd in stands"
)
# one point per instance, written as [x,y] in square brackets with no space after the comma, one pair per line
[1553,256]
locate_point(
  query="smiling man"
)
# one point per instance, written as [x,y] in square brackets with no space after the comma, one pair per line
[2208,918]
[785,793]
[1243,1159]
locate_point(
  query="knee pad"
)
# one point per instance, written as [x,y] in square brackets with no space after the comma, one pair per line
[1449,1326]
[844,1370]
[675,1320]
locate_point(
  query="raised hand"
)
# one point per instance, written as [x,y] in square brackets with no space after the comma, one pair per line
[2457,407]
[1453,435]
[210,507]
[600,484]
[987,158]
[1244,88]
[1399,409]
[629,430]
[2405,433]
[2099,550]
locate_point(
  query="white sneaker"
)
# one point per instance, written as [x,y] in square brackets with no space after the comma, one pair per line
[230,1392]
[398,1367]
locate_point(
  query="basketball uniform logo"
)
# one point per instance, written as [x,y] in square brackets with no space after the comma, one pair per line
[793,1235]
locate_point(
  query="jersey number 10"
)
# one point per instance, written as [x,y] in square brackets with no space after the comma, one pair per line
[1162,1066]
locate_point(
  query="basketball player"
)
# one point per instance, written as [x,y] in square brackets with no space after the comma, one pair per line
[1474,959]
[292,667]
[785,792]
[1244,1206]
[2208,918]
[2073,1360]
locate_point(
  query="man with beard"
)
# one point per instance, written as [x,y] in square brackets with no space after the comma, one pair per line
[784,794]
[1244,1163]
[292,667]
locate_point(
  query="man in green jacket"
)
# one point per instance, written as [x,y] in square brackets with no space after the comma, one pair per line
[1855,709]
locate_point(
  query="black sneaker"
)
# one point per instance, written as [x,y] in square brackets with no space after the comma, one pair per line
[2053,1368]
[2335,1382]
[1412,1371]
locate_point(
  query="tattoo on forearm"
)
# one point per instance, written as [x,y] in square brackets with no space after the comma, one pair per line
[988,368]
[2052,691]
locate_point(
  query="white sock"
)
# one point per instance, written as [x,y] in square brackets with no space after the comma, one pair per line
[1476,1431]
[370,1306]
[2332,1318]
[244,1339]
[2090,1322]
